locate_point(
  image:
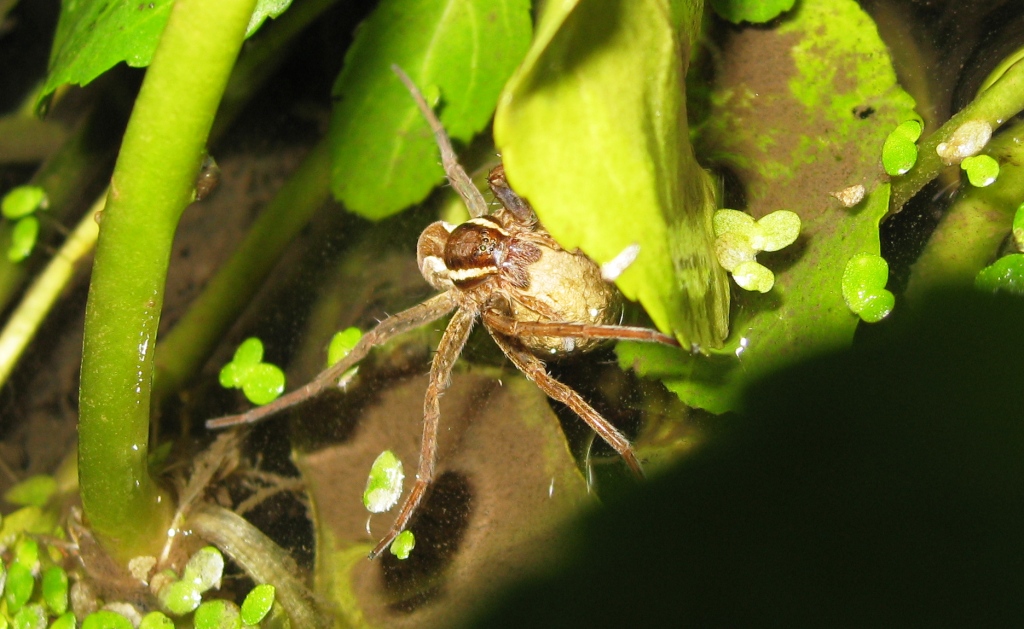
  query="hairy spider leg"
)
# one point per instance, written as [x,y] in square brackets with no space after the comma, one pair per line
[510,327]
[534,369]
[448,352]
[420,314]
[452,169]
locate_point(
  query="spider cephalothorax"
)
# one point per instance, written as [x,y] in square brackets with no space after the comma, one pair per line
[503,269]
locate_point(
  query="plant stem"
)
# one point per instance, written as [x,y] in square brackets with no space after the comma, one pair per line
[1003,100]
[151,185]
[970,233]
[185,347]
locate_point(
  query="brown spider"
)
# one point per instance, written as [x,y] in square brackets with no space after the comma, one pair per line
[534,298]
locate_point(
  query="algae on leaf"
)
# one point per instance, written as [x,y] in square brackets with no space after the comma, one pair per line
[801,110]
[593,131]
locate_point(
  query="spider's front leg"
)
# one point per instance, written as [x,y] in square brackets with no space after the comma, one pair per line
[420,314]
[534,369]
[448,351]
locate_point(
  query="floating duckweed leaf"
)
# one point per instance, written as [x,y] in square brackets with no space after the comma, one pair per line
[105,619]
[384,485]
[30,617]
[778,230]
[156,620]
[35,490]
[22,201]
[204,568]
[180,597]
[403,544]
[740,238]
[257,603]
[864,290]
[23,238]
[982,170]
[342,343]
[1005,274]
[754,276]
[899,152]
[217,614]
[26,553]
[68,621]
[55,590]
[1018,227]
[18,588]
[261,382]
[756,11]
[968,139]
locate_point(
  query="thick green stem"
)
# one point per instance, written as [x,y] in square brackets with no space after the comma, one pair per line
[151,185]
[1003,100]
[970,233]
[184,349]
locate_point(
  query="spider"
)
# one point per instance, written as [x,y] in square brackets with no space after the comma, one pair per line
[502,268]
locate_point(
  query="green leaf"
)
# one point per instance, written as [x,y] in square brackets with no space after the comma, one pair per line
[793,132]
[105,619]
[19,586]
[1018,226]
[899,152]
[257,603]
[384,154]
[756,11]
[384,484]
[95,35]
[34,490]
[156,620]
[68,621]
[982,170]
[263,383]
[265,9]
[180,597]
[1005,274]
[403,544]
[22,201]
[342,343]
[23,238]
[55,590]
[217,614]
[250,352]
[864,281]
[26,553]
[30,617]
[593,131]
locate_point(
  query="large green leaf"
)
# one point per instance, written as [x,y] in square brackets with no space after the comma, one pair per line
[802,111]
[384,154]
[593,132]
[95,35]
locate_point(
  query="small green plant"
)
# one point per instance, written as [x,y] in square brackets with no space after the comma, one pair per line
[982,170]
[403,544]
[20,205]
[864,290]
[384,484]
[261,382]
[739,238]
[899,153]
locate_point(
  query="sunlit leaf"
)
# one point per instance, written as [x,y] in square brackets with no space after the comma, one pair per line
[755,11]
[593,131]
[384,154]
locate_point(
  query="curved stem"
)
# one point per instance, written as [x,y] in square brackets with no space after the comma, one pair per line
[151,185]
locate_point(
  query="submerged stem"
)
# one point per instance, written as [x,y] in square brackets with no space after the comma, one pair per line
[151,185]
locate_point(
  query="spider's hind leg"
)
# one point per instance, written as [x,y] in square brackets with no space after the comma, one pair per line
[534,369]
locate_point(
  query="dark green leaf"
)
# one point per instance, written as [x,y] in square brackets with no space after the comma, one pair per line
[95,35]
[384,155]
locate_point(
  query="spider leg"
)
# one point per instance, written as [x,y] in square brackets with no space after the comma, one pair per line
[456,175]
[448,351]
[420,314]
[511,327]
[534,369]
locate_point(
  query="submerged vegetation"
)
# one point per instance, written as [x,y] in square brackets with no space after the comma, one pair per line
[817,368]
